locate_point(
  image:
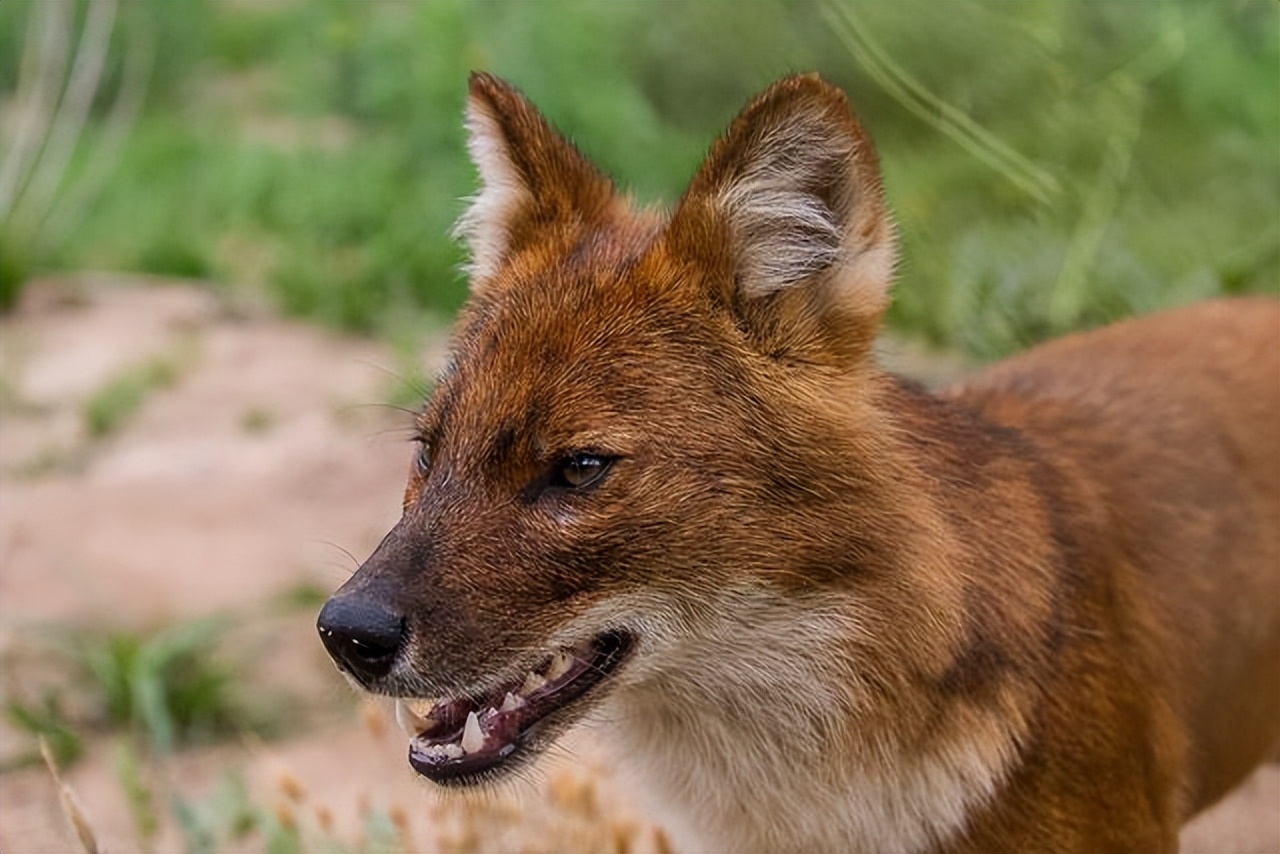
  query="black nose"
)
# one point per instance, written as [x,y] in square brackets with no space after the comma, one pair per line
[361,636]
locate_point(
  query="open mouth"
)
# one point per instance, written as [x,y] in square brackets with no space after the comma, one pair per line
[462,741]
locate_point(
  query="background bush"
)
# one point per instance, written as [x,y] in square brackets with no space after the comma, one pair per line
[1051,164]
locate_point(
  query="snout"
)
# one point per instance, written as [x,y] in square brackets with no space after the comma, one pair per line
[361,635]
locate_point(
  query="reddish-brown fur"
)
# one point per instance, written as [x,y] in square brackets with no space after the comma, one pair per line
[1040,611]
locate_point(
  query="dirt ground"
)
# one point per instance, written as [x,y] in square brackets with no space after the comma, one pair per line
[265,462]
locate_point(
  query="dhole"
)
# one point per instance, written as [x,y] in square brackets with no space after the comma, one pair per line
[662,483]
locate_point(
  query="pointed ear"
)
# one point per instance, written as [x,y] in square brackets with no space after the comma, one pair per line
[531,177]
[786,218]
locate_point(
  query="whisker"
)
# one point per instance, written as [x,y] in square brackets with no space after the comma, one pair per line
[355,562]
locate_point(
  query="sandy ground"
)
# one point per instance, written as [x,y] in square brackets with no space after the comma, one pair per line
[266,463]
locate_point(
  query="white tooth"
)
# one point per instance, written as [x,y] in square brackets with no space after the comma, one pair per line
[532,683]
[559,665]
[410,721]
[510,703]
[472,735]
[452,751]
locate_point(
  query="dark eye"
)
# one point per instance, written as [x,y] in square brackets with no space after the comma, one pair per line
[423,460]
[580,470]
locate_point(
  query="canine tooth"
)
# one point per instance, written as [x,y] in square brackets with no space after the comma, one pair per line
[532,682]
[410,721]
[472,735]
[559,665]
[510,703]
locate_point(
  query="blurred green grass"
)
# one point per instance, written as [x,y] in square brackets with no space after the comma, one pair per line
[1051,164]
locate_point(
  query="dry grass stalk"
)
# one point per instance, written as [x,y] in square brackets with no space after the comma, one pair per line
[70,804]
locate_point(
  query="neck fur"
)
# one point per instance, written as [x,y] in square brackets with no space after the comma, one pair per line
[830,719]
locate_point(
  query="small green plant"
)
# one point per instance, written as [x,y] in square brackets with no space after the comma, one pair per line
[229,815]
[225,815]
[43,719]
[116,402]
[257,419]
[132,773]
[168,686]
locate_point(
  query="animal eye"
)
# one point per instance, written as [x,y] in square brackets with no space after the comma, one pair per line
[423,460]
[580,470]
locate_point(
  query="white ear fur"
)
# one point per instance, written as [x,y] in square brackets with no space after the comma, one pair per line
[783,234]
[485,225]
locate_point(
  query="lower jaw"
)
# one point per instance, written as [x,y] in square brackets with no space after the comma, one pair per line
[486,770]
[504,739]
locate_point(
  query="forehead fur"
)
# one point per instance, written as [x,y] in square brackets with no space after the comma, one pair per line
[569,324]
[565,290]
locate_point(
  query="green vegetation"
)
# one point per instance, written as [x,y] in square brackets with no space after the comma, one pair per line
[167,688]
[225,816]
[1051,164]
[155,692]
[228,818]
[133,775]
[257,419]
[43,719]
[119,399]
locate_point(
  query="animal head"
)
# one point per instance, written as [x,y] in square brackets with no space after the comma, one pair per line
[643,413]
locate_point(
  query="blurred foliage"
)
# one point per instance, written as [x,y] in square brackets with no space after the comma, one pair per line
[108,408]
[229,818]
[45,719]
[167,688]
[1051,164]
[224,817]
